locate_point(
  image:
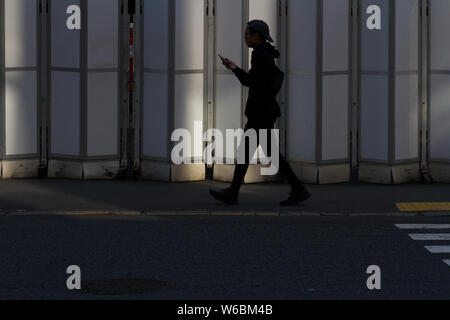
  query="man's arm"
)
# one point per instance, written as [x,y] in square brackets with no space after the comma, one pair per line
[258,76]
[243,77]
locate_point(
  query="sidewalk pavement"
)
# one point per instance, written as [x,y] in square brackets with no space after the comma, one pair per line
[52,196]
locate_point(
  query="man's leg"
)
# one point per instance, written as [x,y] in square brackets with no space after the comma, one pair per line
[240,170]
[284,169]
[298,192]
[287,172]
[231,194]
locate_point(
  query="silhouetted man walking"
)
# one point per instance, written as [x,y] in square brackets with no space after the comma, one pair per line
[261,111]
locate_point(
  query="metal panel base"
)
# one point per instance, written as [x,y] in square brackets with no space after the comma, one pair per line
[164,171]
[65,169]
[188,172]
[307,173]
[406,173]
[334,174]
[101,169]
[83,170]
[313,174]
[383,174]
[440,172]
[375,174]
[225,172]
[153,170]
[20,169]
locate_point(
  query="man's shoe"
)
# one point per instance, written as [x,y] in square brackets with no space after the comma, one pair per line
[296,197]
[225,195]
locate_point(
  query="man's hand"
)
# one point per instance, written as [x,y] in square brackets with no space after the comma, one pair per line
[230,65]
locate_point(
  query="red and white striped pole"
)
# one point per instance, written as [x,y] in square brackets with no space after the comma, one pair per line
[131,56]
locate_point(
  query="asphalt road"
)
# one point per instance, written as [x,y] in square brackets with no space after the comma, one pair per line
[348,198]
[220,257]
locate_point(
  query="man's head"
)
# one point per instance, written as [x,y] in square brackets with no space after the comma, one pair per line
[256,33]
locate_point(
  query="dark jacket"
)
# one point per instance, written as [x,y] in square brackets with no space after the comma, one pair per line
[262,106]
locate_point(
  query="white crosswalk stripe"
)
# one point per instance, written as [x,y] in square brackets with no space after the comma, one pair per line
[440,249]
[423,226]
[430,236]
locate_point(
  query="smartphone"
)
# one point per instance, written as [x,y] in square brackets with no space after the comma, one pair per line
[222,58]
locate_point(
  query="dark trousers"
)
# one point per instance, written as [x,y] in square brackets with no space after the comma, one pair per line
[241,169]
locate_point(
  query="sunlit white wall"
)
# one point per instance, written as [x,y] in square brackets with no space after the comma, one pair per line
[266,10]
[231,20]
[229,43]
[160,113]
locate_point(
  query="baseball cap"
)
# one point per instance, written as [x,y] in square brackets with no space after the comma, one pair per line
[261,27]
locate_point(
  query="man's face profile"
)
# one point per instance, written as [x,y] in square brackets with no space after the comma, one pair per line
[251,40]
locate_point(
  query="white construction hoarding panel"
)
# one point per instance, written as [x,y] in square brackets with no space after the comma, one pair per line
[21,108]
[439,108]
[335,115]
[20,33]
[65,82]
[374,117]
[301,134]
[439,35]
[20,113]
[440,117]
[189,106]
[102,85]
[375,42]
[156,34]
[228,102]
[229,31]
[155,79]
[301,80]
[406,117]
[229,42]
[407,85]
[335,88]
[266,10]
[154,115]
[407,35]
[302,35]
[189,58]
[335,35]
[65,113]
[102,114]
[65,48]
[103,34]
[189,34]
